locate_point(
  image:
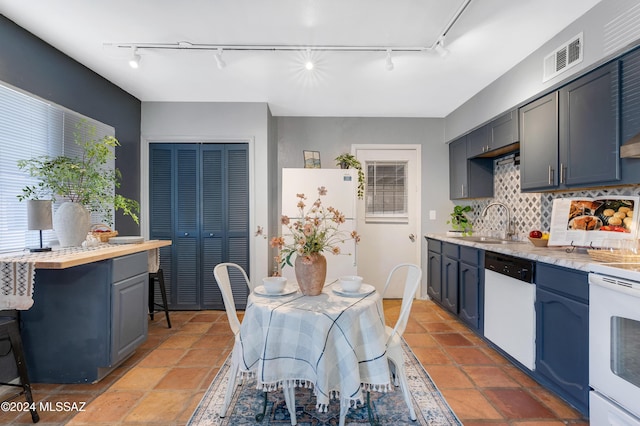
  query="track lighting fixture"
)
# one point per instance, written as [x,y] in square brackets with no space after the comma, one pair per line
[134,62]
[439,47]
[389,62]
[219,61]
[309,62]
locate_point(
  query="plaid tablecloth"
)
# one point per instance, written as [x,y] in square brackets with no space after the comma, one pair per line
[333,343]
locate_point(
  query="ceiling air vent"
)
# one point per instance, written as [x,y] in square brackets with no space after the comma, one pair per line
[563,58]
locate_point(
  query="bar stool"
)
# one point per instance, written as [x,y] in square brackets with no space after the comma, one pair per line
[158,277]
[9,327]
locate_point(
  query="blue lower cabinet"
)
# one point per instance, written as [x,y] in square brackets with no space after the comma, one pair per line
[562,334]
[456,280]
[85,320]
[469,295]
[434,278]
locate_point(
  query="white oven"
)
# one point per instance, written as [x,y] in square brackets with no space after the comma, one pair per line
[614,344]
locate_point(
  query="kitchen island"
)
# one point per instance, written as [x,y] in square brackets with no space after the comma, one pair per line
[89,312]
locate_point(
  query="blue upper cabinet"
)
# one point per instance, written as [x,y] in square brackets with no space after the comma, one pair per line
[468,178]
[589,138]
[495,138]
[570,138]
[539,143]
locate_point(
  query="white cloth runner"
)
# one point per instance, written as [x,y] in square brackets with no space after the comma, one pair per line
[331,343]
[154,260]
[18,272]
[16,285]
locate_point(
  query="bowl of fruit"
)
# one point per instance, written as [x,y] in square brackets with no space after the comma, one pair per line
[539,238]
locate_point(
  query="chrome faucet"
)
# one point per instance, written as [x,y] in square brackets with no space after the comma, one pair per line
[508,231]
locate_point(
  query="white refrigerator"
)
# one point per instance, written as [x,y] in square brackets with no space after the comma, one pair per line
[341,194]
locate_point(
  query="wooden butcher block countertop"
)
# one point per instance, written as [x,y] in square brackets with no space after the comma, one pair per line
[61,258]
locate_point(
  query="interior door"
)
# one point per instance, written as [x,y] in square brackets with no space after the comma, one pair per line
[388,216]
[199,199]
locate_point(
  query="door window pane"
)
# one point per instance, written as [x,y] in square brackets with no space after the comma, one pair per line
[625,347]
[386,191]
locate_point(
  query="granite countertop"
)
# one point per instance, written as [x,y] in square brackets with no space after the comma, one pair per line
[557,255]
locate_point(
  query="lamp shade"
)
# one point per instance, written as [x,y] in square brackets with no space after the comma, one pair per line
[39,214]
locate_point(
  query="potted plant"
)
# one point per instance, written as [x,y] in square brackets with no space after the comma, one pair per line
[459,221]
[85,183]
[315,231]
[349,161]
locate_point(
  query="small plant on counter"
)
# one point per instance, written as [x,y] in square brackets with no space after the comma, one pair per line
[459,220]
[349,161]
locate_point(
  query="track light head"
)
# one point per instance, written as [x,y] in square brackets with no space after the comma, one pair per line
[389,61]
[219,61]
[308,64]
[134,62]
[440,49]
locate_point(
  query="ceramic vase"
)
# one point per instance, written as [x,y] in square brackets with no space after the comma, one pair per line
[71,223]
[311,272]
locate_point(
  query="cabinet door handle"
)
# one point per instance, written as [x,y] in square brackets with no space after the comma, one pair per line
[462,190]
[562,171]
[550,175]
[186,234]
[412,237]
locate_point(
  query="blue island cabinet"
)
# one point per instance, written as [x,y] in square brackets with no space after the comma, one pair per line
[86,319]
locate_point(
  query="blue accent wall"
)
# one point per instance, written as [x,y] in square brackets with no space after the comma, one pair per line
[30,64]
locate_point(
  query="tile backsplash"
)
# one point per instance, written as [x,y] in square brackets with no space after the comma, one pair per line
[528,210]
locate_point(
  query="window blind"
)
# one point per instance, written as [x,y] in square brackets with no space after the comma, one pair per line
[386,191]
[30,127]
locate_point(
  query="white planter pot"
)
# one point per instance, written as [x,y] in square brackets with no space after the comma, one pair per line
[71,223]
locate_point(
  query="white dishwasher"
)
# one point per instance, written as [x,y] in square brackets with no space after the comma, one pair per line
[509,306]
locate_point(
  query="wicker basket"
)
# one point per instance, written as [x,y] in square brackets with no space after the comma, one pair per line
[103,232]
[614,256]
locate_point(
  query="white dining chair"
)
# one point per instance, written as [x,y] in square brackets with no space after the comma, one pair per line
[226,268]
[394,335]
[221,274]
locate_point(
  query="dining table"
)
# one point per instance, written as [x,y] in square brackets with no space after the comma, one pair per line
[334,342]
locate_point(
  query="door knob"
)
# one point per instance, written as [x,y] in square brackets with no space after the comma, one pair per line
[412,237]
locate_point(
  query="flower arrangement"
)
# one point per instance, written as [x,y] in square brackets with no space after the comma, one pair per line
[316,231]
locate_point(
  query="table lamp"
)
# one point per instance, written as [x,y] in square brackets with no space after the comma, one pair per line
[39,218]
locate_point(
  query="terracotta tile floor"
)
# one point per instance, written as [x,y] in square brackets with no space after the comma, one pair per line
[162,383]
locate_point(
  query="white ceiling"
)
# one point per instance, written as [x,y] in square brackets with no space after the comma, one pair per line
[490,37]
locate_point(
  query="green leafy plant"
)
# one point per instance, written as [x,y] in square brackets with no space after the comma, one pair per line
[349,161]
[85,179]
[459,220]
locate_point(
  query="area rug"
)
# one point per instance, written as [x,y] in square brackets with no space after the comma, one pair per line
[387,408]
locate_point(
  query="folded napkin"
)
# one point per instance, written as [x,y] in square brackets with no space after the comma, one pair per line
[16,285]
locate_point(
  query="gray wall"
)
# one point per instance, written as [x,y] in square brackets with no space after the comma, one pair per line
[221,122]
[605,34]
[28,63]
[334,136]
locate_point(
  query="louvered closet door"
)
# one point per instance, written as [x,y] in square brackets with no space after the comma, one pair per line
[161,202]
[186,257]
[209,193]
[225,219]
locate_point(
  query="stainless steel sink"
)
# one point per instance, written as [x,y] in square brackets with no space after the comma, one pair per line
[486,240]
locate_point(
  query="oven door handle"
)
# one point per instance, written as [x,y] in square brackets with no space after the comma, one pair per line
[614,284]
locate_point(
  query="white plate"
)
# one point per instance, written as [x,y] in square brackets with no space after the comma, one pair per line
[362,291]
[126,240]
[288,289]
